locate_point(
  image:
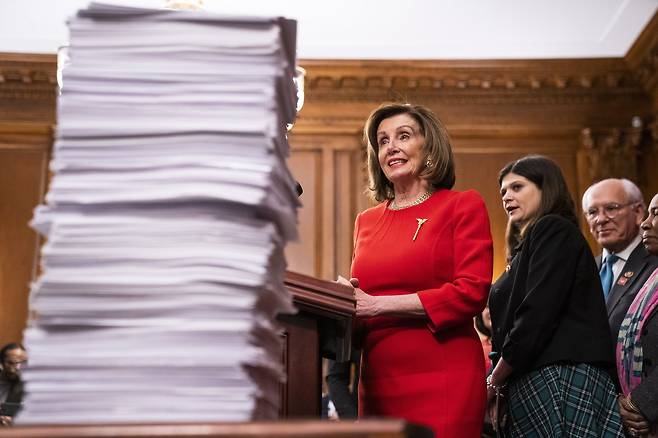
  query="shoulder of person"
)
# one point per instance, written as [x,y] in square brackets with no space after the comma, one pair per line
[554,223]
[466,198]
[641,251]
[375,211]
[467,195]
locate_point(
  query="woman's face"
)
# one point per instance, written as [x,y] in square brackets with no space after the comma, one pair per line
[650,228]
[400,143]
[521,198]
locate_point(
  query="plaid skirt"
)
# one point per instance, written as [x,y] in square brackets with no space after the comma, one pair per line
[564,401]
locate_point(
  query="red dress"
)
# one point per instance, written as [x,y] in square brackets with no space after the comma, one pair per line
[428,371]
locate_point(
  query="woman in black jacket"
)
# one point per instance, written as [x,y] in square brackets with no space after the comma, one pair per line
[550,327]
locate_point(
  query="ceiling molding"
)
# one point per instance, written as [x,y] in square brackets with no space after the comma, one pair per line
[28,86]
[367,80]
[642,58]
[27,69]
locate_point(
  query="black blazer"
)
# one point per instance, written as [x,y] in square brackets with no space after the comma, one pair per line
[639,266]
[548,307]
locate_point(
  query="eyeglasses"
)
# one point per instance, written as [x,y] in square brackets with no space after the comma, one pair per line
[610,211]
[16,362]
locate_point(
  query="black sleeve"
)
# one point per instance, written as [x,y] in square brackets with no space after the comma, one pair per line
[338,382]
[645,397]
[552,250]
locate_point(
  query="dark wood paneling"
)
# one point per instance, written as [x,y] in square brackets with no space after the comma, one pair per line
[24,156]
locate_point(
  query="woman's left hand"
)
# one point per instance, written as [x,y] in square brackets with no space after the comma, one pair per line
[637,425]
[491,394]
[366,305]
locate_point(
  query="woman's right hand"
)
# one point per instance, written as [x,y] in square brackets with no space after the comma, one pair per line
[352,282]
[366,305]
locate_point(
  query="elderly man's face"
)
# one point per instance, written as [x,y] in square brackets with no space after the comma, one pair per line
[14,361]
[613,220]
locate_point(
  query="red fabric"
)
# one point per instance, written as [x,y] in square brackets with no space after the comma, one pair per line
[427,371]
[486,347]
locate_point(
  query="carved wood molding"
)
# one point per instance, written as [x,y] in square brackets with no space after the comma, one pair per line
[488,82]
[614,152]
[642,58]
[28,76]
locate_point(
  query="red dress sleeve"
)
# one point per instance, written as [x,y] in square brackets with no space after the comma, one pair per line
[458,301]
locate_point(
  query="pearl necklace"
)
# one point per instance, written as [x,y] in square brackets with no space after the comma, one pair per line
[419,200]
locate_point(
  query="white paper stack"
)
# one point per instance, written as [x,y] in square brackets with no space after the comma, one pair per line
[165,222]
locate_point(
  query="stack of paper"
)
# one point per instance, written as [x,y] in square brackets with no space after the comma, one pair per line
[165,222]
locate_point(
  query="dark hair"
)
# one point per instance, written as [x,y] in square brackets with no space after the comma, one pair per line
[555,196]
[7,348]
[441,174]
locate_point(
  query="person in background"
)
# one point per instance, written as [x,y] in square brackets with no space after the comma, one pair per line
[614,209]
[12,358]
[343,382]
[637,346]
[550,330]
[421,271]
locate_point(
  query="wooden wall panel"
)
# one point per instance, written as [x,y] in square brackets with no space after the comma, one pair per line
[330,171]
[303,256]
[23,163]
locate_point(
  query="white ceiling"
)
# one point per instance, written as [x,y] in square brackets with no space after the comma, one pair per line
[393,29]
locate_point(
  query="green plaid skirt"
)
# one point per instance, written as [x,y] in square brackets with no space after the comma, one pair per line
[564,401]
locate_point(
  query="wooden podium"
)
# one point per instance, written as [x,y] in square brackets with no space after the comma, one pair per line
[321,328]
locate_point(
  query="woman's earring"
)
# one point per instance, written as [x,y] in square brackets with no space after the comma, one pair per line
[428,163]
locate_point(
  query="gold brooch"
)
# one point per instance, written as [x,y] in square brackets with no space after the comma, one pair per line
[420,224]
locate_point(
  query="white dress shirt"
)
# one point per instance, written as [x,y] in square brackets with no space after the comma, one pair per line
[623,257]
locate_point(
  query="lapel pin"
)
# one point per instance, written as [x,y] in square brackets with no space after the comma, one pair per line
[420,224]
[628,274]
[622,281]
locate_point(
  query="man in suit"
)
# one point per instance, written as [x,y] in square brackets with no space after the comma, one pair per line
[12,358]
[614,209]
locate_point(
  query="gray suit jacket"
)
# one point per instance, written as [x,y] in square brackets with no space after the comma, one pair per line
[636,271]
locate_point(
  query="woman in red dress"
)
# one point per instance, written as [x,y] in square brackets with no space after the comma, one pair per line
[421,271]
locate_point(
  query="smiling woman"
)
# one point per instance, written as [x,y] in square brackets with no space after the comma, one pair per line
[421,270]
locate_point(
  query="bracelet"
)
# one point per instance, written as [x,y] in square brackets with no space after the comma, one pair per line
[631,404]
[494,387]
